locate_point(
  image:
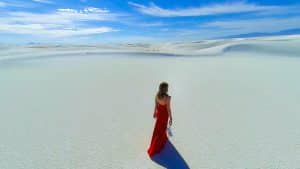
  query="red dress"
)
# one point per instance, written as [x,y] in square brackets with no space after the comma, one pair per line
[159,137]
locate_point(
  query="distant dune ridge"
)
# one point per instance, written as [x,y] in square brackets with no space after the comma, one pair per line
[273,46]
[235,104]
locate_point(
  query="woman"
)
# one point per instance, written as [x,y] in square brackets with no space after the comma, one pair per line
[162,113]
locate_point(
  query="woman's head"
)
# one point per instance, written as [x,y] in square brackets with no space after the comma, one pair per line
[163,89]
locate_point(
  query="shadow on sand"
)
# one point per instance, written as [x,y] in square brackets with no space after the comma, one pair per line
[170,158]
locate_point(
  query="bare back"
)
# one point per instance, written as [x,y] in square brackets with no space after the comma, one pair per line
[162,101]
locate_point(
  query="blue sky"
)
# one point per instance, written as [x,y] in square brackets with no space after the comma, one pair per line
[84,21]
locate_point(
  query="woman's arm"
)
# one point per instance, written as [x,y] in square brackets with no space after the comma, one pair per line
[169,110]
[155,107]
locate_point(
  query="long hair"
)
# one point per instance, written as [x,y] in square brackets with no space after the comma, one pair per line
[162,90]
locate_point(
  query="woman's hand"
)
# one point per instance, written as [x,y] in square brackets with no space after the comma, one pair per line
[155,109]
[154,114]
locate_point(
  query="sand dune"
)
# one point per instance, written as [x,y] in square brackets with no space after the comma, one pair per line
[280,46]
[235,104]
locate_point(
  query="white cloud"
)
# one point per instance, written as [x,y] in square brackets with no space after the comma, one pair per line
[67,10]
[16,4]
[44,1]
[213,9]
[44,30]
[235,27]
[97,10]
[151,24]
[140,23]
[60,16]
[3,4]
[255,25]
[62,22]
[88,10]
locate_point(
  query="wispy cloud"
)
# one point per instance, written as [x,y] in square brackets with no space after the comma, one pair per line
[2,4]
[222,28]
[270,24]
[213,9]
[62,22]
[14,3]
[140,23]
[60,16]
[44,1]
[151,24]
[47,30]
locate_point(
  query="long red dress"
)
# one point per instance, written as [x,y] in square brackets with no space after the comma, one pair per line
[159,137]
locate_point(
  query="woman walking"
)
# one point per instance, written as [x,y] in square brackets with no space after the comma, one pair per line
[162,113]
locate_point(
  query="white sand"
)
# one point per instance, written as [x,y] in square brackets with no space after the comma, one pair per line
[236,108]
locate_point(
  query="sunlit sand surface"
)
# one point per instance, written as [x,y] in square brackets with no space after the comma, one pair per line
[235,104]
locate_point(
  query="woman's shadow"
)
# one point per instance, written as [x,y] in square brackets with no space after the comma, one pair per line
[170,158]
